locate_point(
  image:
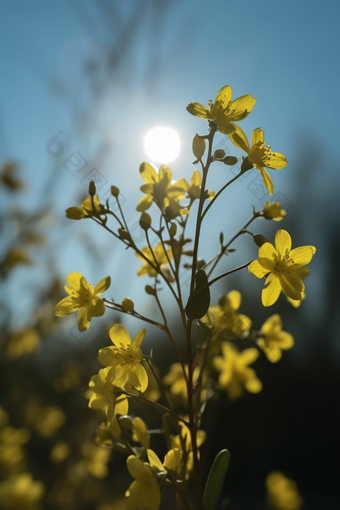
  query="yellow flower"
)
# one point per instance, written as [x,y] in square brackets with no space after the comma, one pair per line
[303,272]
[282,492]
[273,211]
[12,454]
[59,452]
[45,420]
[171,460]
[105,396]
[282,264]
[259,155]
[140,432]
[194,189]
[124,359]
[83,297]
[144,493]
[158,187]
[20,492]
[224,111]
[86,209]
[22,343]
[187,454]
[234,371]
[161,258]
[273,340]
[95,459]
[224,317]
[176,380]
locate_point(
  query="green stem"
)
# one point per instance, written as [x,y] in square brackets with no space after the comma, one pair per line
[218,194]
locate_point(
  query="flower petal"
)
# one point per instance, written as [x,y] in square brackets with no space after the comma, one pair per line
[268,251]
[224,96]
[103,285]
[136,467]
[198,109]
[142,377]
[84,318]
[98,309]
[137,340]
[303,255]
[292,285]
[267,181]
[242,106]
[74,280]
[66,306]
[145,203]
[235,298]
[148,173]
[239,139]
[273,323]
[120,336]
[271,290]
[257,136]
[248,356]
[277,161]
[253,385]
[154,460]
[283,242]
[172,459]
[257,269]
[165,175]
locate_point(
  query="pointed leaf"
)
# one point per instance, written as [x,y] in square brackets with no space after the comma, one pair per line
[215,480]
[198,303]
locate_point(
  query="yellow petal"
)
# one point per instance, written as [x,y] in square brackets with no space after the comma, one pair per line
[235,298]
[154,460]
[122,405]
[148,173]
[142,377]
[136,467]
[172,459]
[268,251]
[224,96]
[277,161]
[98,309]
[257,269]
[74,280]
[144,204]
[239,139]
[292,285]
[120,336]
[198,110]
[84,318]
[285,340]
[147,188]
[257,136]
[195,179]
[274,354]
[271,290]
[75,213]
[253,385]
[267,181]
[248,356]
[102,286]
[165,174]
[242,106]
[137,340]
[303,255]
[65,307]
[273,323]
[283,242]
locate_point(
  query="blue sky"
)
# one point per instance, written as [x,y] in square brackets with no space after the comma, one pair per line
[284,53]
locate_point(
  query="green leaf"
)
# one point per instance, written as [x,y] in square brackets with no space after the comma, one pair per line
[199,301]
[215,480]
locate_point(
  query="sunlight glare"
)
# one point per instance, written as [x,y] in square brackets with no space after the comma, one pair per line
[162,145]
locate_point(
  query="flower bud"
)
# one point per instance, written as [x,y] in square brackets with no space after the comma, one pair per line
[219,154]
[114,191]
[92,189]
[230,160]
[198,146]
[126,422]
[150,290]
[173,230]
[260,240]
[145,221]
[128,305]
[124,234]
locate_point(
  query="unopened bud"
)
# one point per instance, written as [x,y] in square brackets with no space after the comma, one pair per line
[114,191]
[173,230]
[150,290]
[124,234]
[126,422]
[259,239]
[219,154]
[145,221]
[200,263]
[230,160]
[128,305]
[198,146]
[92,189]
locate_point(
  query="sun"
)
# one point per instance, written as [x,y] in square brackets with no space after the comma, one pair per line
[162,145]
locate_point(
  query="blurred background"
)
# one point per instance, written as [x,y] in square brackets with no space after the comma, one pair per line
[85,81]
